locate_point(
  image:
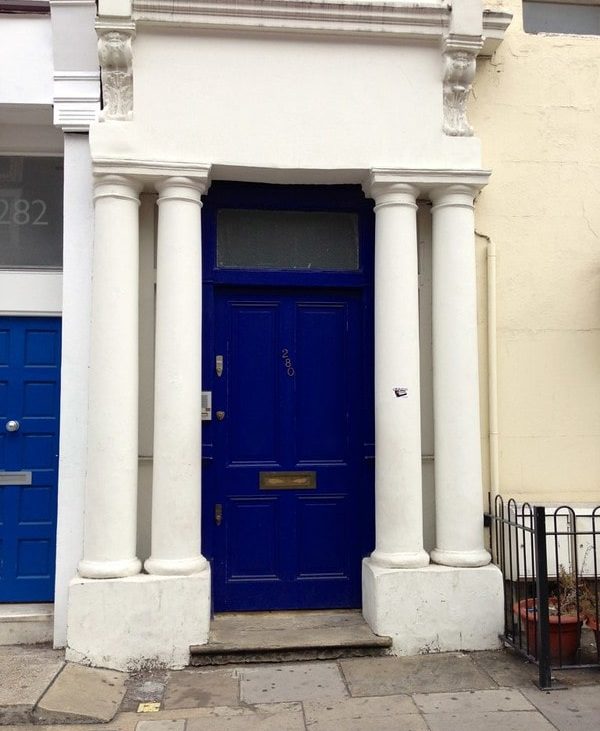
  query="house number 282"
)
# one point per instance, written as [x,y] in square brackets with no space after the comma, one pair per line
[287,362]
[22,212]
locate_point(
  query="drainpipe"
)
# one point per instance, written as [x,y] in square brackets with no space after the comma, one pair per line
[492,369]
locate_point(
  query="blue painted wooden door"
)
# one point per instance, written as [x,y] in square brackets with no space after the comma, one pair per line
[29,394]
[290,396]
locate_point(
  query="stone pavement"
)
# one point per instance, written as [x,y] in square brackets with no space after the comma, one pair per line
[484,691]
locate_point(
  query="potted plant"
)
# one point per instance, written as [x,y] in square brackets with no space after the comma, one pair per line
[591,609]
[565,614]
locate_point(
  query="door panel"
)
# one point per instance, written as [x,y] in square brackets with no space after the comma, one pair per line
[254,391]
[256,521]
[321,382]
[29,394]
[292,372]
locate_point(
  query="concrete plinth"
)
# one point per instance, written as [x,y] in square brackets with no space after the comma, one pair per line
[138,621]
[435,608]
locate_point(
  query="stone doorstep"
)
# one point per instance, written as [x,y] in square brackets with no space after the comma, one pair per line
[288,636]
[25,624]
[260,655]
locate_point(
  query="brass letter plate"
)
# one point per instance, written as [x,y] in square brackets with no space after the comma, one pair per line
[288,480]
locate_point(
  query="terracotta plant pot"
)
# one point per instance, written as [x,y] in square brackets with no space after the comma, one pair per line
[565,633]
[592,623]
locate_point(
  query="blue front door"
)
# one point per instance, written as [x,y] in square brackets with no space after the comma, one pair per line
[288,505]
[29,423]
[288,448]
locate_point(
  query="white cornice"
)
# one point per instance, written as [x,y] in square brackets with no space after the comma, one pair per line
[150,170]
[76,99]
[426,179]
[412,20]
[495,23]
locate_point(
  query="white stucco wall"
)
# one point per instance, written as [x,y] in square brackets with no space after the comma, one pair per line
[536,107]
[25,60]
[292,103]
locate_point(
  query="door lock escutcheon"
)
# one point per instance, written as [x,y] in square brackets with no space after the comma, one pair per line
[220,415]
[218,513]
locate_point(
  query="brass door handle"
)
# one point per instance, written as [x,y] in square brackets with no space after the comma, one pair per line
[218,513]
[220,415]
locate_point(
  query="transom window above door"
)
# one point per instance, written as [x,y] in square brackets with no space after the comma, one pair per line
[287,240]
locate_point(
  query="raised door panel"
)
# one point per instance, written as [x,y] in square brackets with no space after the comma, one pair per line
[252,383]
[321,405]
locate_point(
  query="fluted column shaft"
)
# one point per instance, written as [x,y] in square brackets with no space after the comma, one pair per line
[458,479]
[398,488]
[110,523]
[176,491]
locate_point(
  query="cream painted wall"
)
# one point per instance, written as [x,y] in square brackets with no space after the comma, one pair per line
[536,109]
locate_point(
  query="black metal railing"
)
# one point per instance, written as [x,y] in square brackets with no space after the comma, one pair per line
[549,559]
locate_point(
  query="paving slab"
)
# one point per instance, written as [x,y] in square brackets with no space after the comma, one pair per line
[82,694]
[507,668]
[25,673]
[298,682]
[160,726]
[574,709]
[197,688]
[390,713]
[262,717]
[422,674]
[476,701]
[495,721]
[144,687]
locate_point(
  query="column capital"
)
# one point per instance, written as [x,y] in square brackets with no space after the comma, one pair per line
[453,194]
[182,188]
[388,189]
[117,186]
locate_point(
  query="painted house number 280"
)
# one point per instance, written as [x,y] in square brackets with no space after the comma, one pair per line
[287,362]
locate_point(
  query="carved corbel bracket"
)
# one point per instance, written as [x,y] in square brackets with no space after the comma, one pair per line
[116,69]
[459,73]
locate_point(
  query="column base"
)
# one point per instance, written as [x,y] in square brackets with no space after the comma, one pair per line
[407,560]
[109,569]
[175,566]
[461,559]
[434,609]
[138,622]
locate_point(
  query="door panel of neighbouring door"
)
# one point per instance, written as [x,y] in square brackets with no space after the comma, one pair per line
[290,393]
[29,395]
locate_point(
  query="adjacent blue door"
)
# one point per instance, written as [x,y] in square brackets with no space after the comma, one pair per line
[29,425]
[289,453]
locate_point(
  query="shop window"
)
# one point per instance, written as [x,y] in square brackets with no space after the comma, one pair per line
[578,17]
[297,240]
[31,217]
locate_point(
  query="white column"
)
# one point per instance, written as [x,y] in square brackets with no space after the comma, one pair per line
[112,458]
[458,482]
[78,220]
[398,485]
[177,394]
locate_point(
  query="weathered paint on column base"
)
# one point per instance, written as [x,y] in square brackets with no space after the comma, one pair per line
[434,609]
[137,622]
